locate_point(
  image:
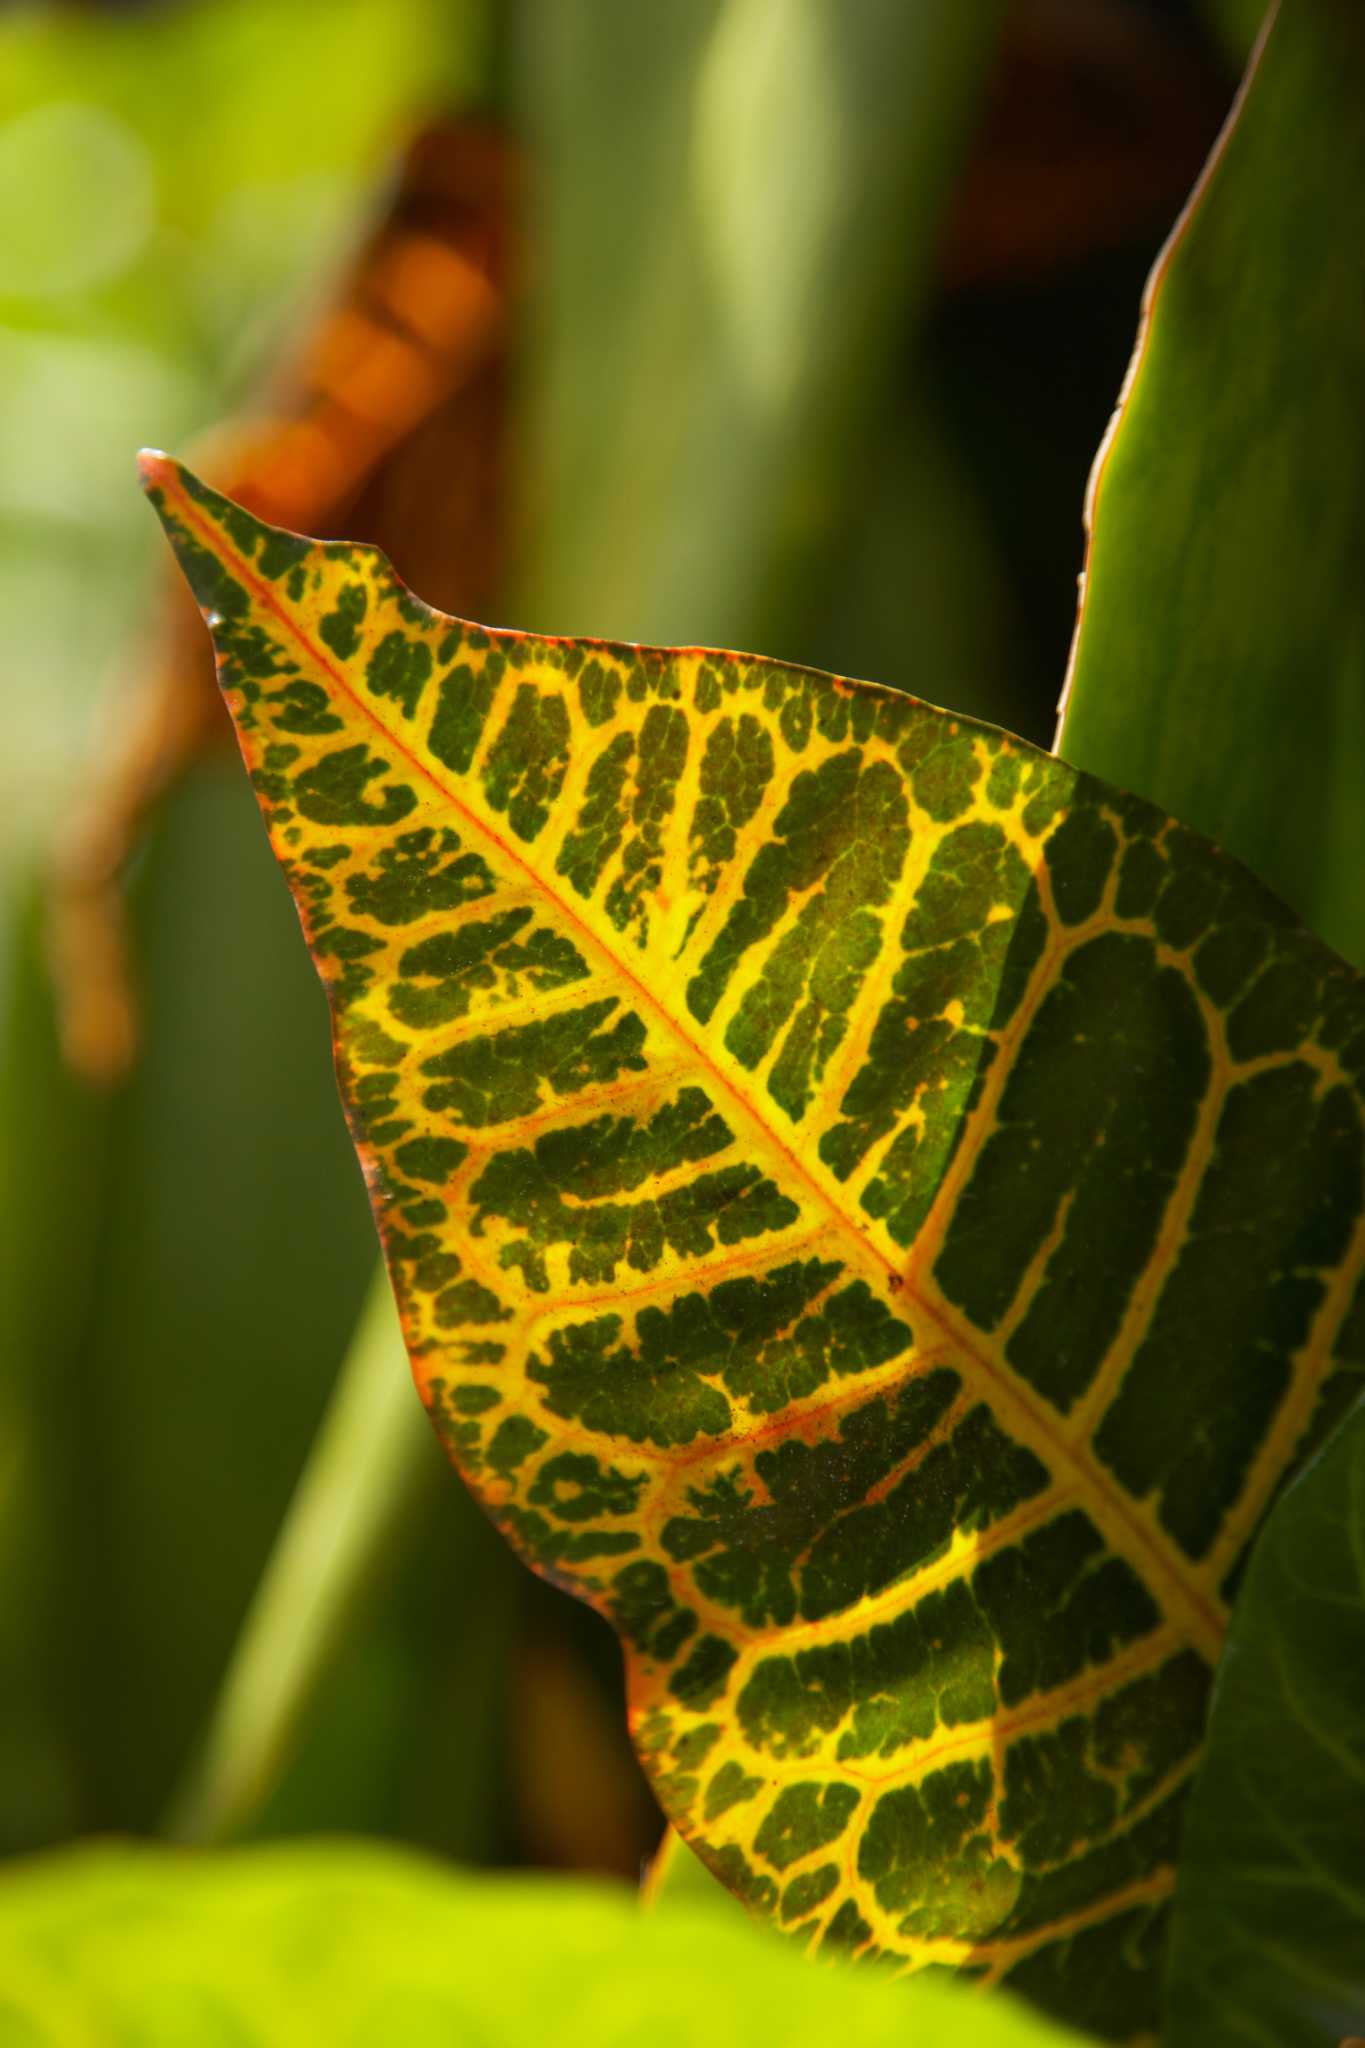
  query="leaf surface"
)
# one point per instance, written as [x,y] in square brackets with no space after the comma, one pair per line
[1219,661]
[358,1946]
[1268,1932]
[874,1210]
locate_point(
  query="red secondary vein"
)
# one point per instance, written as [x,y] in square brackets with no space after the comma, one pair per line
[159,470]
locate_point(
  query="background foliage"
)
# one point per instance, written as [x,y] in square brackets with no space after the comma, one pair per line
[893,404]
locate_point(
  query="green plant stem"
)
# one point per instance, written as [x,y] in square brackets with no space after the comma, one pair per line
[354,1499]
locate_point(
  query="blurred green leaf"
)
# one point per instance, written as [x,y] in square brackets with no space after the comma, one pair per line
[1268,1933]
[912,589]
[357,1947]
[1236,23]
[737,206]
[406,1731]
[234,1251]
[53,1173]
[346,1666]
[235,1244]
[1219,663]
[371,1461]
[150,267]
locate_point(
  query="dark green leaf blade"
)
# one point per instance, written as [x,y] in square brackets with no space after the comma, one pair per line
[1268,1940]
[1219,662]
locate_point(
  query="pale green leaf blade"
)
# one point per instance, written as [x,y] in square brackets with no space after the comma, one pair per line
[357,1946]
[874,1210]
[1268,1930]
[1219,662]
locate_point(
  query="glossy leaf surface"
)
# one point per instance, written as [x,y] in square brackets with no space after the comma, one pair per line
[1219,663]
[873,1210]
[1268,1938]
[356,1946]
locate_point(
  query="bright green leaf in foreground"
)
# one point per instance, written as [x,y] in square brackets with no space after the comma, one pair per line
[1268,1942]
[1219,664]
[340,1946]
[874,1210]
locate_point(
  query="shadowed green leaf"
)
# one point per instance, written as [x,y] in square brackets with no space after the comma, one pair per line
[1268,1935]
[52,1175]
[1219,662]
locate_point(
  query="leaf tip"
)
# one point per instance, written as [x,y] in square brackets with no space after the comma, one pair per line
[155,469]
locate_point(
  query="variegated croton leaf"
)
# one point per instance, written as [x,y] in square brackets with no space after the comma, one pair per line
[874,1210]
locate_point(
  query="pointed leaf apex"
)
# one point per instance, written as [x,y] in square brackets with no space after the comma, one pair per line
[155,469]
[165,478]
[220,546]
